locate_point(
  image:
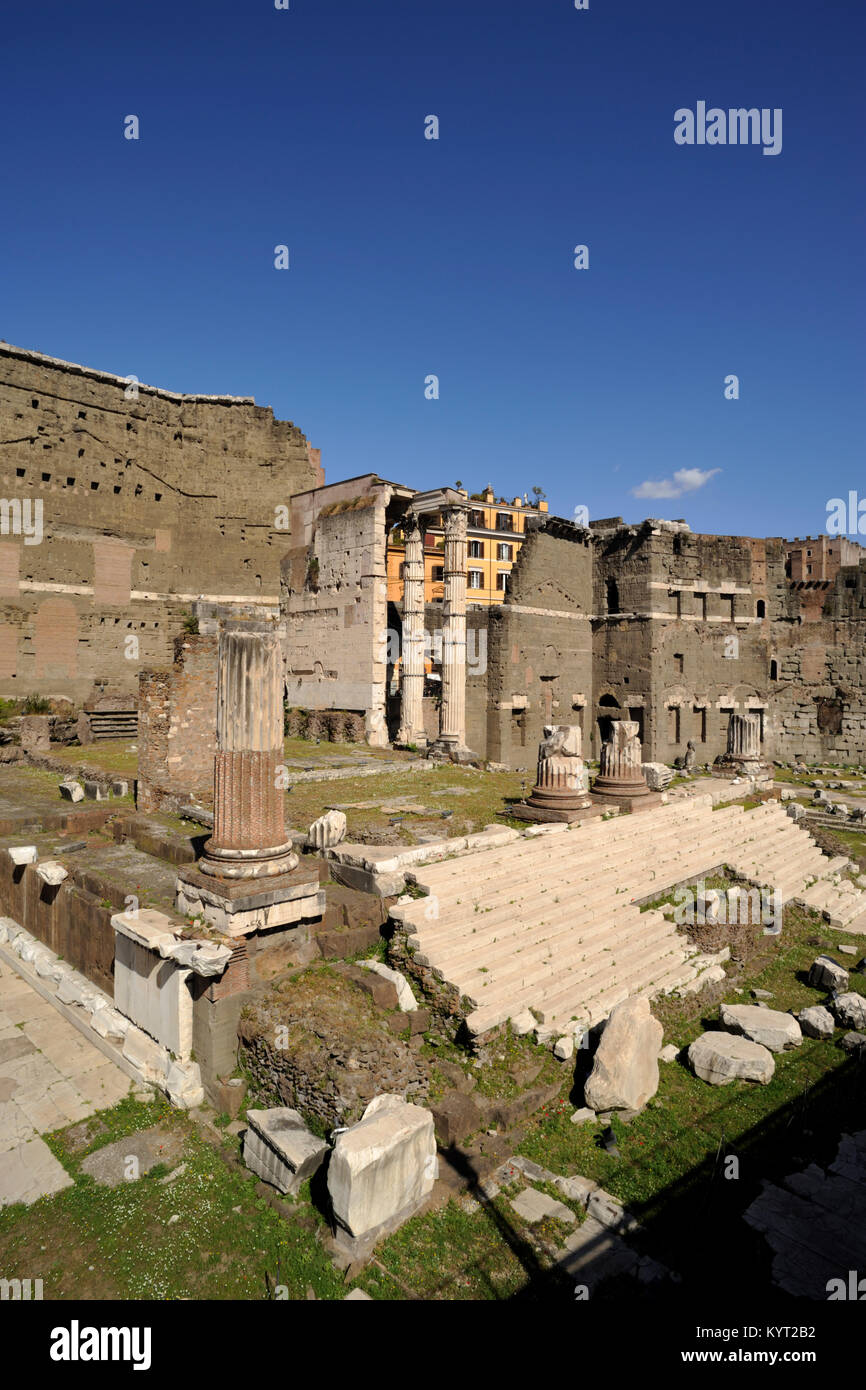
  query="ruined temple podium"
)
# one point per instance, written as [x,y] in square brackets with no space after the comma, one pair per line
[561,792]
[249,879]
[621,782]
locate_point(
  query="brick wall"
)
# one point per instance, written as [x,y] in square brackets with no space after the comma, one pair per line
[147,503]
[177,726]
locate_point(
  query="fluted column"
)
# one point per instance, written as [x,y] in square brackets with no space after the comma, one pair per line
[561,777]
[744,737]
[452,714]
[412,656]
[249,835]
[620,766]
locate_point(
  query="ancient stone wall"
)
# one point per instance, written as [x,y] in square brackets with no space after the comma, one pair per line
[540,645]
[682,633]
[148,501]
[334,602]
[177,726]
[818,699]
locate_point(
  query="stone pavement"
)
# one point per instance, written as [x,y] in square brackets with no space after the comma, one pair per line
[815,1224]
[50,1076]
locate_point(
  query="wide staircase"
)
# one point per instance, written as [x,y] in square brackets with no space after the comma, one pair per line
[552,921]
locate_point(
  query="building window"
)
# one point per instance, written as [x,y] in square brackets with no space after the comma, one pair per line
[476,550]
[761,608]
[504,521]
[679,663]
[476,579]
[501,580]
[701,721]
[438,574]
[701,606]
[774,670]
[477,519]
[674,717]
[503,551]
[808,554]
[677,596]
[809,567]
[729,598]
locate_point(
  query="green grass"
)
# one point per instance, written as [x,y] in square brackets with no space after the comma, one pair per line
[481,801]
[451,1255]
[682,1127]
[120,1243]
[111,755]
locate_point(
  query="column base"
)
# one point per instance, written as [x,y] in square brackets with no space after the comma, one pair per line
[239,908]
[626,795]
[729,766]
[529,811]
[404,737]
[225,863]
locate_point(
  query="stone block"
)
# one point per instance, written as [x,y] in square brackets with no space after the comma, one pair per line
[769,1027]
[94,791]
[228,1095]
[51,872]
[454,1117]
[817,1022]
[382,991]
[74,989]
[719,1058]
[280,1149]
[119,787]
[382,1169]
[577,1189]
[607,1211]
[153,992]
[35,733]
[22,854]
[625,1069]
[329,830]
[658,776]
[108,1023]
[405,998]
[826,973]
[148,1058]
[849,1010]
[71,790]
[534,1206]
[183,1084]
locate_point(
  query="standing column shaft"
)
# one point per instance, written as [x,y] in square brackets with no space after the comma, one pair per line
[452,716]
[412,656]
[744,736]
[249,834]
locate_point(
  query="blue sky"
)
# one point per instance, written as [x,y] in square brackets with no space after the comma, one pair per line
[305,127]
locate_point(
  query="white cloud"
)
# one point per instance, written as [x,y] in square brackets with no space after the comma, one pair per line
[684,480]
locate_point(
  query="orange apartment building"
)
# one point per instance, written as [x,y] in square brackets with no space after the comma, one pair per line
[496,532]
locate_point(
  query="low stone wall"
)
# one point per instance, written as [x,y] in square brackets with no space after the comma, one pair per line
[336,1055]
[332,725]
[69,919]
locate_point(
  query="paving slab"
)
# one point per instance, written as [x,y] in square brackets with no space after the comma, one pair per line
[110,1165]
[51,1075]
[15,1127]
[30,1171]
